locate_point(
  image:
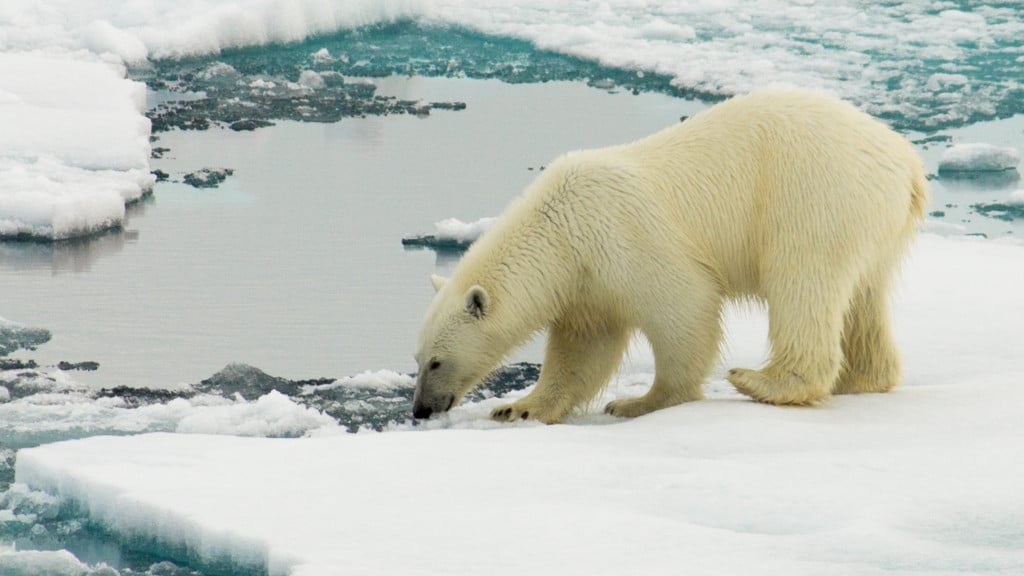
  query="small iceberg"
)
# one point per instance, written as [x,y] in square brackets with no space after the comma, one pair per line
[450,234]
[978,157]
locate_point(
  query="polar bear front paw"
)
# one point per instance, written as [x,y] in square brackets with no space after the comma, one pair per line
[509,413]
[525,411]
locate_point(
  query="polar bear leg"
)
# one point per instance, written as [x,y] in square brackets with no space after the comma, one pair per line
[686,343]
[576,366]
[805,326]
[872,361]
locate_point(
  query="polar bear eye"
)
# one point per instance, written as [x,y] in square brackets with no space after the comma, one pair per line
[435,364]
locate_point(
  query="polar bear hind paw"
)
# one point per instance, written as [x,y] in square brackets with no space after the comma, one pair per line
[791,389]
[629,407]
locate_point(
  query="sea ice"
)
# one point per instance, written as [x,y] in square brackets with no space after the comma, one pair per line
[311,79]
[74,148]
[924,480]
[455,230]
[14,336]
[69,116]
[47,563]
[978,157]
[451,233]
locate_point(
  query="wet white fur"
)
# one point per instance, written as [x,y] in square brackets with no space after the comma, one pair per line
[789,197]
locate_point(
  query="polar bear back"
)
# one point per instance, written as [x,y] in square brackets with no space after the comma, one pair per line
[741,185]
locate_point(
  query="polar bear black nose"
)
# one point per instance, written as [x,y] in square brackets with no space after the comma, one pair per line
[421,412]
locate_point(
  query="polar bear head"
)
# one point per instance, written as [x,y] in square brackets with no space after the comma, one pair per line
[458,346]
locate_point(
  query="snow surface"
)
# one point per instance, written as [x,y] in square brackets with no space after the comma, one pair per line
[978,157]
[923,481]
[74,146]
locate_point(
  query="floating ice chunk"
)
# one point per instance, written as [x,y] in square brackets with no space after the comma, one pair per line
[940,81]
[322,56]
[455,230]
[221,75]
[47,563]
[218,69]
[14,336]
[1016,197]
[978,158]
[451,233]
[262,84]
[311,79]
[383,380]
[273,415]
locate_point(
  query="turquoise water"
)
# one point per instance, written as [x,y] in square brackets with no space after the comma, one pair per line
[294,263]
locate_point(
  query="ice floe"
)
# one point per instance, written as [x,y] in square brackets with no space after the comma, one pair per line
[868,484]
[978,157]
[74,148]
[451,234]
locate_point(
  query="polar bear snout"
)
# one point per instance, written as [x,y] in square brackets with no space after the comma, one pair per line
[422,410]
[423,405]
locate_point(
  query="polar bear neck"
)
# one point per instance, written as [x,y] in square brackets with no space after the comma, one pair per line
[525,264]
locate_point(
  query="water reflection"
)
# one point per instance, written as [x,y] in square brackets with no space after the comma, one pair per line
[73,256]
[979,181]
[444,258]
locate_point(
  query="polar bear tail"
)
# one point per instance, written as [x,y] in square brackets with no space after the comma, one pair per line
[919,196]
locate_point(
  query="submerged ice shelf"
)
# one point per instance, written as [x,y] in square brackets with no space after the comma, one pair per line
[868,484]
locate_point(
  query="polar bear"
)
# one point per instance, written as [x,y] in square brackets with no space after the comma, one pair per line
[784,196]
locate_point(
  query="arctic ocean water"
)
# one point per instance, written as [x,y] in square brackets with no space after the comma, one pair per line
[293,264]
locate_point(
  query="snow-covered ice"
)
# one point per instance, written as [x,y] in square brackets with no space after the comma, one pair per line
[455,230]
[721,47]
[979,157]
[451,233]
[47,563]
[74,146]
[923,481]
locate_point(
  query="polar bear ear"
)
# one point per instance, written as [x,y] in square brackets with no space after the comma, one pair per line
[478,303]
[438,282]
